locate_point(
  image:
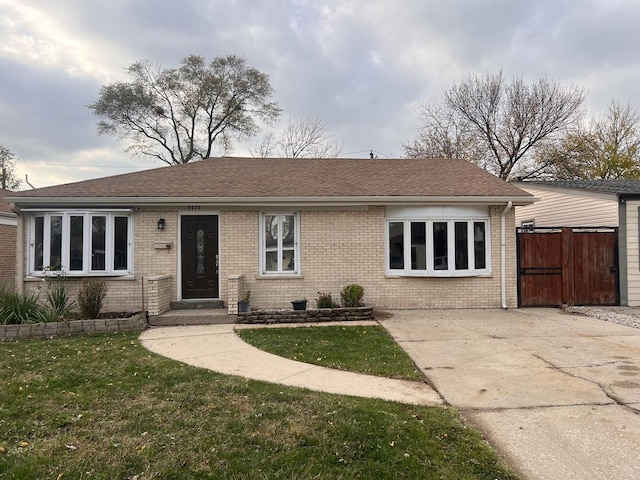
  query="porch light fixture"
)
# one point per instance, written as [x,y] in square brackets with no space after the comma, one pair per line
[161,224]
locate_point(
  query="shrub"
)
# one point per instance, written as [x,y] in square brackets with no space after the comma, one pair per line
[351,295]
[17,308]
[325,301]
[58,299]
[91,297]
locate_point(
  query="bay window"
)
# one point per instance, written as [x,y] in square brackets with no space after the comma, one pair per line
[279,244]
[80,243]
[437,246]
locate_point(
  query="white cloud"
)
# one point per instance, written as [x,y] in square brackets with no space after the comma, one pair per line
[44,34]
[360,65]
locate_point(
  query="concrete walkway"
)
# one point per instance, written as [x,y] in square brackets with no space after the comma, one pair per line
[218,348]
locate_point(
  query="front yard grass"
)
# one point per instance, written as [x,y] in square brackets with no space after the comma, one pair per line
[363,349]
[103,407]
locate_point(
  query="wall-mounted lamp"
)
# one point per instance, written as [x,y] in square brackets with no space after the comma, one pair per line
[161,224]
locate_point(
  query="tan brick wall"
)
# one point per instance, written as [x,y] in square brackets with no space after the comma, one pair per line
[158,294]
[342,247]
[8,255]
[338,247]
[126,293]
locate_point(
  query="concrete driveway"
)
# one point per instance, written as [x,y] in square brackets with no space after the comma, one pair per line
[556,393]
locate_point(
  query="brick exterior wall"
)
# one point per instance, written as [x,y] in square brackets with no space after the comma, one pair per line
[8,255]
[338,247]
[342,247]
[126,293]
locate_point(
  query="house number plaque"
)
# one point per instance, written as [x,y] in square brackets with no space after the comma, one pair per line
[193,207]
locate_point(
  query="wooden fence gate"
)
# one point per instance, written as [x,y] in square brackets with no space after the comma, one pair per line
[573,266]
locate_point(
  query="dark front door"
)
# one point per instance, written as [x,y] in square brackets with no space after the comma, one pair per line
[199,256]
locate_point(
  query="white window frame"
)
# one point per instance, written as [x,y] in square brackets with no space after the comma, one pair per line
[86,242]
[430,270]
[280,272]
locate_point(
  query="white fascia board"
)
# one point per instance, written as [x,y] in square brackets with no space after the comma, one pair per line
[85,202]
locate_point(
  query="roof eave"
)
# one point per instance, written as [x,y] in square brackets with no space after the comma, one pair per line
[54,202]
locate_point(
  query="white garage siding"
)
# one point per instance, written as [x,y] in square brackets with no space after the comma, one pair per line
[564,207]
[633,253]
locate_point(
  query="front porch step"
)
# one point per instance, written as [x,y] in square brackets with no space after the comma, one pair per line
[196,305]
[200,316]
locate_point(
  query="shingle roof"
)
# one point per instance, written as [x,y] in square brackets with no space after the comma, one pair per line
[617,186]
[229,177]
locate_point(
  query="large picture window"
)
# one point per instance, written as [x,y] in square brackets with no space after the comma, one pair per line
[279,243]
[80,243]
[438,247]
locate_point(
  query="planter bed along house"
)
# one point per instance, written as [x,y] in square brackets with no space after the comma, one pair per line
[415,233]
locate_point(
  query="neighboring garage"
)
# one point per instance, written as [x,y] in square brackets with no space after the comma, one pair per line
[578,245]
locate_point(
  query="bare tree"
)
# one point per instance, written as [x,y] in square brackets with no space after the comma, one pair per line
[8,177]
[301,138]
[606,147]
[443,134]
[178,115]
[506,121]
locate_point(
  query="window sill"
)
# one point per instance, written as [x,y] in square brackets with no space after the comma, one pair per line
[432,275]
[280,276]
[116,276]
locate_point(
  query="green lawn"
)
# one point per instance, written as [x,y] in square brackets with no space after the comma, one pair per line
[365,349]
[103,407]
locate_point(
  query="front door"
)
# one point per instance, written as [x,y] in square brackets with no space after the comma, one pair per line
[199,256]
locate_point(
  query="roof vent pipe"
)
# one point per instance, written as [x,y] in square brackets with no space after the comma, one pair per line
[503,254]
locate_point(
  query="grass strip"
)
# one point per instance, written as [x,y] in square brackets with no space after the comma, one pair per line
[363,349]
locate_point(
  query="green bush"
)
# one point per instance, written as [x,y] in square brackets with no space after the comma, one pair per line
[17,308]
[351,295]
[91,297]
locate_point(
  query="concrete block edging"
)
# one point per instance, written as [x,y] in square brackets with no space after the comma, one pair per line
[73,327]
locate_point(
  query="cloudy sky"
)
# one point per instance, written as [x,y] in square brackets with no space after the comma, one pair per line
[362,66]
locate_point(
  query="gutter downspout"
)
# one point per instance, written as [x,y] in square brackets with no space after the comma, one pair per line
[503,254]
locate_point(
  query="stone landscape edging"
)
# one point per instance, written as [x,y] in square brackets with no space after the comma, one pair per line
[312,315]
[73,327]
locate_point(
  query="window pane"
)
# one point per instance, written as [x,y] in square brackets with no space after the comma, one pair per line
[288,231]
[440,247]
[418,246]
[462,245]
[121,243]
[288,223]
[76,227]
[271,243]
[288,261]
[479,245]
[396,245]
[98,242]
[38,234]
[55,248]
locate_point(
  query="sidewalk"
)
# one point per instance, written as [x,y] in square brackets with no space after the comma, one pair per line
[218,348]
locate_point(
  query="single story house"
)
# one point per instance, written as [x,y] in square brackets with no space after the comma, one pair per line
[8,228]
[592,204]
[414,233]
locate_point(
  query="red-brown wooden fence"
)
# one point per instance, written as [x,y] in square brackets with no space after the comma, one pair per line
[572,266]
